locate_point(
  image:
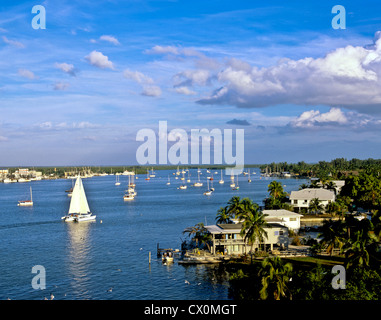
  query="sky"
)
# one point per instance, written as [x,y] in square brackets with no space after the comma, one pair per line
[79,91]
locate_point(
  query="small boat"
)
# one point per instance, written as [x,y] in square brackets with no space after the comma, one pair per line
[209,191]
[117,182]
[198,184]
[128,197]
[79,208]
[27,203]
[169,182]
[183,187]
[152,175]
[236,187]
[147,175]
[249,180]
[167,257]
[222,180]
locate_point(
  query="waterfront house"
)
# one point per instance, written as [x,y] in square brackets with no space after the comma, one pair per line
[302,198]
[287,218]
[226,238]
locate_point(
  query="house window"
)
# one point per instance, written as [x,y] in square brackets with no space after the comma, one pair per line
[295,201]
[278,233]
[281,232]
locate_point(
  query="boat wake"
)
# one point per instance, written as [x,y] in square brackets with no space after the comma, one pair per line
[26,224]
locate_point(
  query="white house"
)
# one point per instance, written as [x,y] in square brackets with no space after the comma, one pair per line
[287,218]
[226,238]
[302,198]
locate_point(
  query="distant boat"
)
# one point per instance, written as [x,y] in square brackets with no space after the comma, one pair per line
[117,183]
[236,187]
[27,203]
[183,187]
[208,192]
[79,208]
[152,175]
[147,175]
[222,180]
[249,180]
[169,182]
[198,184]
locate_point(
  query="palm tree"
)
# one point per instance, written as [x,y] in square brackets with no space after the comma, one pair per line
[315,206]
[333,234]
[253,225]
[275,277]
[234,206]
[223,216]
[195,231]
[276,190]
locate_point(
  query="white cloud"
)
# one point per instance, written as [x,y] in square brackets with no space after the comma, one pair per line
[27,74]
[184,90]
[66,67]
[14,43]
[110,39]
[312,118]
[151,91]
[137,76]
[60,86]
[348,77]
[98,59]
[163,50]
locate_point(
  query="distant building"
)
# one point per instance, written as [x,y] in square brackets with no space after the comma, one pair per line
[226,238]
[287,218]
[302,198]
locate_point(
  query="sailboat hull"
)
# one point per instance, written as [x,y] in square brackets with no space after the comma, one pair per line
[84,217]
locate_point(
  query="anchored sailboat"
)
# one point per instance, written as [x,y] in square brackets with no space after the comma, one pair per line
[79,208]
[27,203]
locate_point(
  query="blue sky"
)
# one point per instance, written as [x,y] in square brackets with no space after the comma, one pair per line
[78,92]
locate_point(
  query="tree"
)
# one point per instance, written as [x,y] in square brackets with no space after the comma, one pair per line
[198,233]
[253,225]
[275,278]
[332,234]
[234,206]
[223,215]
[315,206]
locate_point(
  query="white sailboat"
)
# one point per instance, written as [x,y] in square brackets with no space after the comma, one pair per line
[208,192]
[169,181]
[130,192]
[222,180]
[249,180]
[236,187]
[198,184]
[79,208]
[117,182]
[27,203]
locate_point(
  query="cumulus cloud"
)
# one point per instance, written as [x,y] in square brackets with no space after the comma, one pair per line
[151,91]
[27,74]
[137,76]
[184,90]
[334,118]
[348,77]
[98,59]
[110,39]
[67,68]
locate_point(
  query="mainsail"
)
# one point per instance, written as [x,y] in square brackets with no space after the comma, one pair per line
[78,203]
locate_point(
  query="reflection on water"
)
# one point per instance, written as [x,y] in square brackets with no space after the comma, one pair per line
[79,264]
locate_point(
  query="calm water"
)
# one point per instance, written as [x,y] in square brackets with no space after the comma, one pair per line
[85,260]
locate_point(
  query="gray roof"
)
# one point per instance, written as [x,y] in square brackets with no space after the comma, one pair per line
[311,193]
[280,213]
[235,227]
